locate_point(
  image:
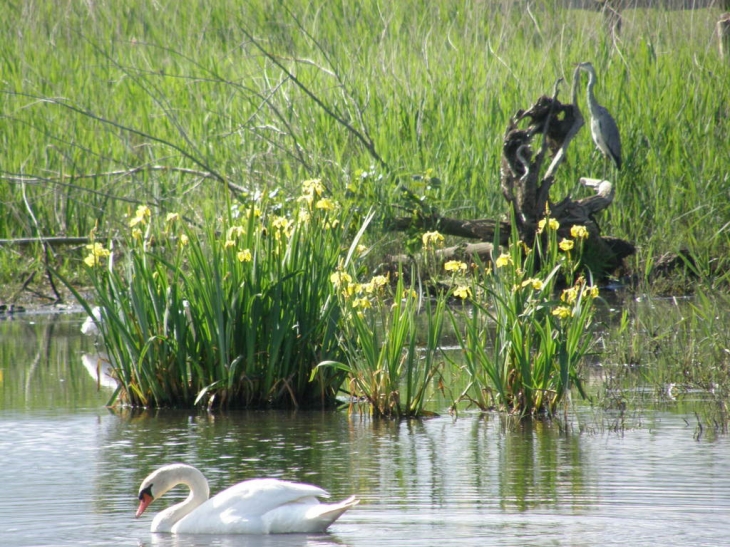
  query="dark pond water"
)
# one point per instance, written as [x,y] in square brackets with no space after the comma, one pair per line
[71,468]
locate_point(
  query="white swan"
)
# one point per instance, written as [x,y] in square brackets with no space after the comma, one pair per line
[257,506]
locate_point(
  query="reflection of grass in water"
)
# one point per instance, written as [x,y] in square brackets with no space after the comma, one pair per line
[671,354]
[40,364]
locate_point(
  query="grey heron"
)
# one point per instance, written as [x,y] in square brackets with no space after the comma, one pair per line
[603,127]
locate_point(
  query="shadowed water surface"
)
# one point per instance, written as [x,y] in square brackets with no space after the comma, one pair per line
[71,468]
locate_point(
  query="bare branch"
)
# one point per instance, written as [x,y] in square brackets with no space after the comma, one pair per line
[65,104]
[364,139]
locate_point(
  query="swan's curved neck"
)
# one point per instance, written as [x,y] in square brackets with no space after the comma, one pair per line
[199,492]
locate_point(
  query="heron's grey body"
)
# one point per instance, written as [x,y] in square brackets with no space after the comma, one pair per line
[603,127]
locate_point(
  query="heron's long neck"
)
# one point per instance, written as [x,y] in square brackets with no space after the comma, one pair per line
[592,103]
[199,492]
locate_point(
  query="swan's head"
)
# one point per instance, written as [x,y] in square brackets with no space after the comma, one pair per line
[164,479]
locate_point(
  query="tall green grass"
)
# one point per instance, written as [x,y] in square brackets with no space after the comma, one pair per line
[106,106]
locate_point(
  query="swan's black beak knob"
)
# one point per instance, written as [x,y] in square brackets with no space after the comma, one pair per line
[145,498]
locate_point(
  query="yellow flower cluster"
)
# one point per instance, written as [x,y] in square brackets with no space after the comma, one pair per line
[566,245]
[503,260]
[96,253]
[312,187]
[432,240]
[362,292]
[282,227]
[362,303]
[340,280]
[533,282]
[463,292]
[455,266]
[578,232]
[326,204]
[233,233]
[312,192]
[551,223]
[563,312]
[572,294]
[376,283]
[141,216]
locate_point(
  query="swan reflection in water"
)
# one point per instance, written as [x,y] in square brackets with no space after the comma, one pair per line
[222,540]
[90,326]
[100,369]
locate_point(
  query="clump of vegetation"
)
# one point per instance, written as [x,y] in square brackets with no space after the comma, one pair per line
[237,314]
[522,345]
[674,353]
[391,358]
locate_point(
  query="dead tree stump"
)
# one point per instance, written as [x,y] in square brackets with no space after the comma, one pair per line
[526,179]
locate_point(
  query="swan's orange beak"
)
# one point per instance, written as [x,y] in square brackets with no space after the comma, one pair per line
[144,500]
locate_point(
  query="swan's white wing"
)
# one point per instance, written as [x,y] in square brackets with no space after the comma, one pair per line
[305,518]
[259,496]
[242,508]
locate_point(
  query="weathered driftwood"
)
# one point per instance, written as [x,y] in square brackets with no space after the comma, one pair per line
[53,240]
[723,34]
[526,182]
[481,229]
[467,253]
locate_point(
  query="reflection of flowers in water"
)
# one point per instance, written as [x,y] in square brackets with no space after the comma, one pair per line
[100,369]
